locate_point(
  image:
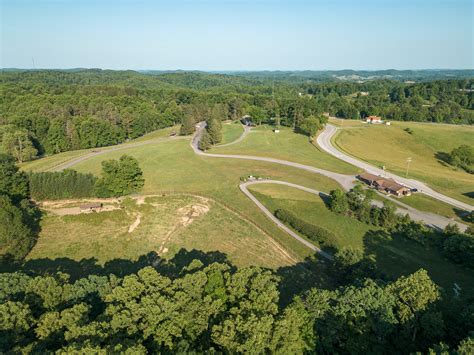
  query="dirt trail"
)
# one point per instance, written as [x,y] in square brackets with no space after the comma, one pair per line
[135,224]
[186,216]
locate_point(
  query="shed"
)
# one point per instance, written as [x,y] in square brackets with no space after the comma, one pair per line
[90,207]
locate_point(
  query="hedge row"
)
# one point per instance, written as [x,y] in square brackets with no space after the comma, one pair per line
[61,185]
[313,232]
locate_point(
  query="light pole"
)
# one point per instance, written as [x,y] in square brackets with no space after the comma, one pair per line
[408,165]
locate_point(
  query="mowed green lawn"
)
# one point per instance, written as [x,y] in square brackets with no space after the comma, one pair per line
[161,224]
[172,166]
[51,161]
[390,146]
[286,145]
[231,131]
[425,203]
[394,256]
[341,122]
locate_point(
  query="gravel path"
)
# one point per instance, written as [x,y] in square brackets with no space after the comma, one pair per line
[324,141]
[346,181]
[432,220]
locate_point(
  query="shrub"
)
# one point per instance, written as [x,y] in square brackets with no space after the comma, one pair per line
[119,177]
[313,232]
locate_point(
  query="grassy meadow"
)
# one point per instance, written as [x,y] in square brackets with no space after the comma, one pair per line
[286,145]
[231,131]
[172,167]
[390,146]
[51,161]
[160,224]
[394,256]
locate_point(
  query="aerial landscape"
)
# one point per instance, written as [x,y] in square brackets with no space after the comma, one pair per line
[237,177]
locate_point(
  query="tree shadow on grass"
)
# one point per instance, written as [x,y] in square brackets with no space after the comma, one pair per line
[118,267]
[398,256]
[294,280]
[464,215]
[301,277]
[443,157]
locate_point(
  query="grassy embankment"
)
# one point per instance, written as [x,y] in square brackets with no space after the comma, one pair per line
[390,146]
[394,256]
[286,145]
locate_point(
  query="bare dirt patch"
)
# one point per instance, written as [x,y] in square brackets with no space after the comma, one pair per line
[135,224]
[191,212]
[186,215]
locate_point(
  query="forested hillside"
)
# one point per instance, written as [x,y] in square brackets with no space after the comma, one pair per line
[46,112]
[214,307]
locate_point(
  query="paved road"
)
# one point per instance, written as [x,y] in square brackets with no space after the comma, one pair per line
[430,219]
[99,151]
[346,181]
[238,140]
[324,141]
[244,189]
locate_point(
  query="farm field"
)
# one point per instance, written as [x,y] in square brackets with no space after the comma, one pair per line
[390,146]
[160,224]
[286,145]
[394,256]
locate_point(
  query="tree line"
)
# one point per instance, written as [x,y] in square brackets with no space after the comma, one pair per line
[220,308]
[457,246]
[47,112]
[19,215]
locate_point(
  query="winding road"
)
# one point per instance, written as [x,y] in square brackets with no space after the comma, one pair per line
[244,189]
[346,181]
[324,141]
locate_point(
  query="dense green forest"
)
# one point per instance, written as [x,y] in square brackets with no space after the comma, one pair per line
[211,306]
[46,112]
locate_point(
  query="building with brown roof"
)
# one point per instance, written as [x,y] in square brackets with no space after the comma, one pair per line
[385,184]
[374,119]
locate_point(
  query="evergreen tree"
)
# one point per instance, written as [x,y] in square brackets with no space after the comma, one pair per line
[187,125]
[214,128]
[205,141]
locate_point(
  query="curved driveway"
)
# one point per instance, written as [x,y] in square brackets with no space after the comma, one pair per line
[346,181]
[244,189]
[324,141]
[238,140]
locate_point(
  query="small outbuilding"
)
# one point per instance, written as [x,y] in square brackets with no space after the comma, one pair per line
[374,119]
[90,207]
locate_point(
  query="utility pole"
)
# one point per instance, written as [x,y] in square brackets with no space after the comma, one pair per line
[408,165]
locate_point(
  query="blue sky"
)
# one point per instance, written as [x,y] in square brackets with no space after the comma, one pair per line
[237,35]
